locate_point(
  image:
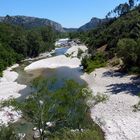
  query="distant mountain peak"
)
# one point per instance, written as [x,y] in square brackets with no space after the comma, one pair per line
[95,18]
[31,22]
[93,23]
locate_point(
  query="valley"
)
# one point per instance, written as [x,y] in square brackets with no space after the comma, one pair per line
[80,82]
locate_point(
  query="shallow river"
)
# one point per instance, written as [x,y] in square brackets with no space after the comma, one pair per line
[60,74]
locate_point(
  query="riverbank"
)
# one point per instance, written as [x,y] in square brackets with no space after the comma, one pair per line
[65,67]
[54,62]
[12,86]
[9,88]
[116,116]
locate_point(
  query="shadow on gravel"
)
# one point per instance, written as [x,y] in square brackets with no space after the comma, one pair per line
[124,87]
[113,74]
[132,87]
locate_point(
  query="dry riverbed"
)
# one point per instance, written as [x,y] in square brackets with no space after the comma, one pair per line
[115,116]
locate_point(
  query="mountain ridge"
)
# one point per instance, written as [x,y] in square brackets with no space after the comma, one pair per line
[93,23]
[31,22]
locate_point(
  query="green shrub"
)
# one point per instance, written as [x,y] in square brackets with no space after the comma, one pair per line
[84,62]
[136,107]
[90,64]
[134,70]
[66,107]
[115,62]
[127,50]
[100,98]
[8,133]
[80,52]
[67,55]
[89,134]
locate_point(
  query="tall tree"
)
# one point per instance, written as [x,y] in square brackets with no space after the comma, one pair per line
[131,3]
[33,44]
[127,50]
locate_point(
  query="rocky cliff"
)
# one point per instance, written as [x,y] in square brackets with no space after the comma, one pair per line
[31,22]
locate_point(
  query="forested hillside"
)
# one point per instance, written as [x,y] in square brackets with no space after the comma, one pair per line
[120,37]
[93,23]
[17,43]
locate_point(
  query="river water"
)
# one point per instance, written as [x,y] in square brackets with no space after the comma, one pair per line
[60,74]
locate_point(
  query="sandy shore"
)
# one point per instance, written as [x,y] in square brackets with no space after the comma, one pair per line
[60,60]
[54,62]
[116,116]
[9,88]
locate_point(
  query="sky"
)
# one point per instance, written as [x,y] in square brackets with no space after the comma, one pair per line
[69,13]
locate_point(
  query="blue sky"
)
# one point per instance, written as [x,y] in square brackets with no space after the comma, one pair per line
[69,13]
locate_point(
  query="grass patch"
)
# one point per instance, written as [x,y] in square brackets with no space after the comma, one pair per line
[90,134]
[92,65]
[80,52]
[97,61]
[100,98]
[136,107]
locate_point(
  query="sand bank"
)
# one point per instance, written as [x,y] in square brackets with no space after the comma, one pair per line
[9,88]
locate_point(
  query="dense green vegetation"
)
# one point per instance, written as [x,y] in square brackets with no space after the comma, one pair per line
[129,51]
[91,63]
[7,133]
[89,134]
[121,36]
[66,108]
[17,43]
